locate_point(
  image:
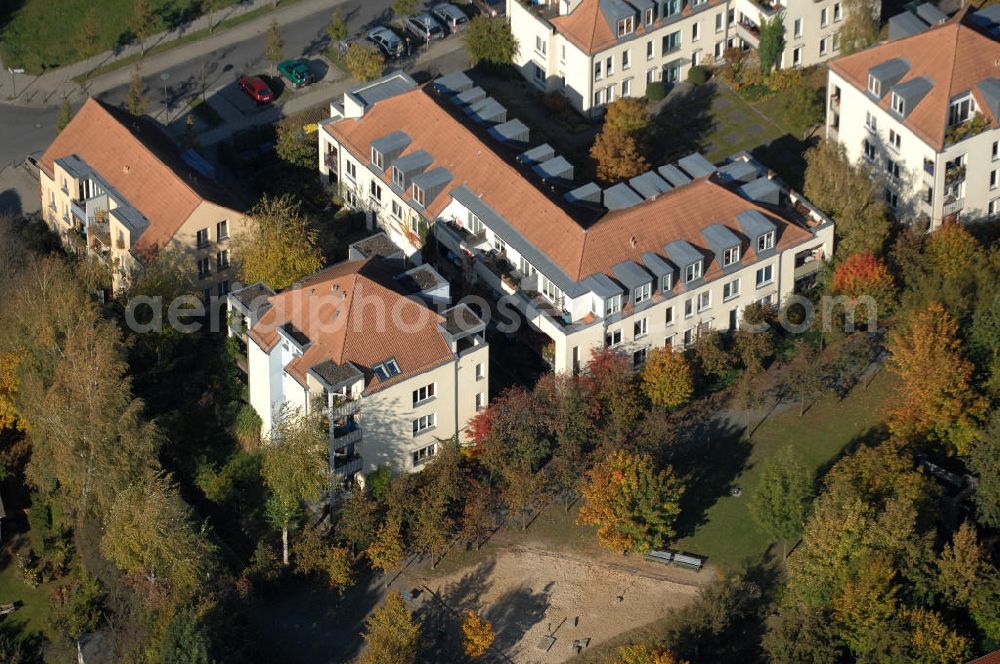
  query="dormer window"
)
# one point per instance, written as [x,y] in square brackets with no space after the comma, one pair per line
[898,104]
[612,305]
[692,272]
[626,26]
[730,256]
[642,293]
[377,159]
[418,195]
[650,15]
[765,242]
[667,283]
[397,177]
[960,111]
[874,86]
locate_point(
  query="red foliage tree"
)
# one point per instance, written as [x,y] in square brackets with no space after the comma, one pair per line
[864,274]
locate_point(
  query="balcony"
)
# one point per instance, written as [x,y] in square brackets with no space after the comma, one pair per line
[344,466]
[835,102]
[953,175]
[960,131]
[330,161]
[344,409]
[341,436]
[78,211]
[953,205]
[928,172]
[541,8]
[748,32]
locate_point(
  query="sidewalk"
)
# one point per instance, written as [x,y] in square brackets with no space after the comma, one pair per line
[50,88]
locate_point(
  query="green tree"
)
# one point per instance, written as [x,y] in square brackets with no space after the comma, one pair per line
[143,22]
[135,98]
[273,45]
[358,519]
[860,29]
[433,527]
[295,468]
[633,506]
[150,534]
[984,462]
[391,634]
[78,606]
[294,145]
[488,40]
[65,115]
[337,27]
[781,500]
[772,41]
[277,245]
[313,554]
[364,63]
[186,641]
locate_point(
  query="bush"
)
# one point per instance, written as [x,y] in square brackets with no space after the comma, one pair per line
[555,102]
[697,75]
[246,428]
[655,91]
[755,92]
[785,79]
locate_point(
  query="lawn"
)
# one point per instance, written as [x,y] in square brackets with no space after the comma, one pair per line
[727,534]
[34,612]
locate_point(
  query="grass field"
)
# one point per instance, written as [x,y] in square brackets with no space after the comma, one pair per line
[34,612]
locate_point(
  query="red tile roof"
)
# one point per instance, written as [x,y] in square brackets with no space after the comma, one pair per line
[620,235]
[955,56]
[991,658]
[141,163]
[351,312]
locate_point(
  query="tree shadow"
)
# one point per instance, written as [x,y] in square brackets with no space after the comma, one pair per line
[681,123]
[786,155]
[442,612]
[515,612]
[8,9]
[10,202]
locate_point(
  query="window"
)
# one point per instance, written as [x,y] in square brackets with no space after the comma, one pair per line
[222,260]
[960,111]
[695,58]
[397,177]
[765,242]
[695,31]
[549,290]
[869,150]
[731,290]
[823,18]
[642,293]
[397,210]
[526,268]
[627,87]
[720,48]
[204,267]
[669,318]
[891,198]
[541,45]
[689,307]
[796,56]
[222,230]
[874,86]
[671,74]
[765,275]
[995,154]
[222,287]
[892,168]
[424,454]
[376,191]
[613,338]
[871,122]
[822,46]
[651,75]
[475,223]
[671,7]
[692,272]
[688,337]
[993,179]
[649,50]
[562,53]
[837,15]
[626,59]
[609,66]
[423,394]
[352,170]
[639,328]
[612,305]
[666,283]
[898,104]
[599,97]
[480,371]
[719,22]
[499,244]
[836,41]
[730,256]
[201,237]
[704,301]
[626,26]
[639,357]
[993,207]
[480,401]
[418,195]
[650,15]
[797,28]
[539,73]
[377,159]
[671,42]
[206,295]
[386,370]
[598,70]
[895,140]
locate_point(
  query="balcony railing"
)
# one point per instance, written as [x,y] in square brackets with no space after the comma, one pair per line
[542,9]
[344,409]
[977,124]
[348,466]
[953,205]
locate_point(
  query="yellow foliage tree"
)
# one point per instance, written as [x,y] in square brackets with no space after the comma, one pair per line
[277,246]
[364,63]
[9,418]
[386,551]
[478,634]
[866,603]
[643,653]
[391,634]
[932,642]
[617,156]
[934,398]
[666,378]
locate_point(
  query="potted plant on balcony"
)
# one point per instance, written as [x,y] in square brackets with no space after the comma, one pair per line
[549,352]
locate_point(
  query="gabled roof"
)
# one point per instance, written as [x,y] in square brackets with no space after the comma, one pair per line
[140,162]
[346,312]
[954,57]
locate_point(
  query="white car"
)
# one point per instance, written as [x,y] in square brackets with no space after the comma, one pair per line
[388,41]
[451,16]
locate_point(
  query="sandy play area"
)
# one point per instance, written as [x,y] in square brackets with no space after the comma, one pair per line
[529,594]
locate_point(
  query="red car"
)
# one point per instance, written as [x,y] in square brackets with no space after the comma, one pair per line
[257,89]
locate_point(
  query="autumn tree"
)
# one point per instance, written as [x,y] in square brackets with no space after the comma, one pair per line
[933,398]
[865,275]
[337,27]
[489,41]
[633,506]
[295,468]
[358,519]
[781,500]
[480,514]
[65,115]
[710,358]
[804,376]
[432,528]
[273,46]
[850,195]
[293,144]
[278,245]
[9,417]
[478,634]
[565,404]
[391,634]
[628,116]
[143,22]
[314,555]
[364,63]
[520,490]
[666,378]
[618,156]
[860,29]
[135,99]
[386,549]
[984,462]
[614,395]
[642,653]
[150,534]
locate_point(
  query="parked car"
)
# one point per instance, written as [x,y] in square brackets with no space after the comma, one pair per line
[387,41]
[257,89]
[297,72]
[451,17]
[425,27]
[491,7]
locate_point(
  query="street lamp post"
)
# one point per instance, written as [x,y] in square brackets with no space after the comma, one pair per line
[13,82]
[165,76]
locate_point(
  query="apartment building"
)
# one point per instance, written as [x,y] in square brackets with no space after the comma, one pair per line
[641,264]
[116,186]
[595,51]
[364,341]
[921,111]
